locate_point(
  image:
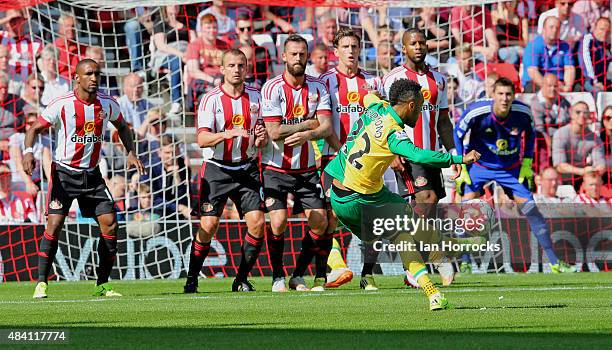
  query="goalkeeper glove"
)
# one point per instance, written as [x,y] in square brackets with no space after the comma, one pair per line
[464,178]
[526,173]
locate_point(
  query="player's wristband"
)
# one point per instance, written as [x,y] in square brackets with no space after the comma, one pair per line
[28,150]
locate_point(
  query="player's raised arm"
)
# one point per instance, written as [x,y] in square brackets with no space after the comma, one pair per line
[407,100]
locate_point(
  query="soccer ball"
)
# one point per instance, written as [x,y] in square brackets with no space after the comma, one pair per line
[478,217]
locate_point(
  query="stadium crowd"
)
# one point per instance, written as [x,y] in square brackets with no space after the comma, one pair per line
[557,53]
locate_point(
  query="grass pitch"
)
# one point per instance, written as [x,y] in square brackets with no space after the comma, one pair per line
[491,311]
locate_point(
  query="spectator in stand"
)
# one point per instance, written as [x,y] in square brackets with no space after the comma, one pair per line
[594,57]
[326,30]
[591,10]
[591,194]
[257,56]
[70,52]
[512,31]
[288,19]
[489,85]
[606,138]
[378,36]
[133,106]
[545,54]
[225,23]
[143,211]
[11,115]
[55,85]
[548,182]
[550,109]
[23,50]
[12,208]
[468,27]
[203,60]
[136,34]
[470,85]
[150,131]
[384,61]
[170,39]
[5,57]
[436,32]
[41,151]
[456,104]
[576,150]
[108,83]
[116,186]
[572,25]
[318,59]
[32,90]
[168,178]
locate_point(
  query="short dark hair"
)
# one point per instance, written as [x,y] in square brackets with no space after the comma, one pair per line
[84,62]
[296,38]
[232,52]
[345,33]
[503,82]
[404,90]
[244,16]
[412,30]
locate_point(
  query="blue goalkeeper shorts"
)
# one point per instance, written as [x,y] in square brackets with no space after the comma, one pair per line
[507,179]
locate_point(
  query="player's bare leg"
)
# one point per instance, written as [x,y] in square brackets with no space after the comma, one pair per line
[46,252]
[426,205]
[107,254]
[276,248]
[199,251]
[251,248]
[315,243]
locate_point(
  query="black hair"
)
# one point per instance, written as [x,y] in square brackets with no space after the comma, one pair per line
[412,30]
[404,90]
[84,62]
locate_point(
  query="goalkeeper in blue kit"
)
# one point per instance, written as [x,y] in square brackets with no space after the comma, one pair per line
[497,127]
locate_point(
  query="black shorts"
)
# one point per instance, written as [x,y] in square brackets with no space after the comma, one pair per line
[306,187]
[217,184]
[326,179]
[417,178]
[87,186]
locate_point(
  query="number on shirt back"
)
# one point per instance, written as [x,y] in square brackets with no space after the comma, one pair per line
[354,158]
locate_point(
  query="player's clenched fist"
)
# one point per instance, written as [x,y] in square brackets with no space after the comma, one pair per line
[471,157]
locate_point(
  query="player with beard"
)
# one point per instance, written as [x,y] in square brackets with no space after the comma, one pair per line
[231,130]
[421,182]
[296,110]
[80,119]
[348,84]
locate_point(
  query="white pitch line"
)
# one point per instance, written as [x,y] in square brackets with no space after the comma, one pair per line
[311,294]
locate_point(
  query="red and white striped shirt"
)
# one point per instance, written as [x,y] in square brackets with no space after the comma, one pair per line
[346,94]
[14,209]
[433,87]
[79,128]
[219,111]
[288,104]
[23,55]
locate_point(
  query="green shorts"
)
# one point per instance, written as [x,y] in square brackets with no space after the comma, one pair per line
[350,208]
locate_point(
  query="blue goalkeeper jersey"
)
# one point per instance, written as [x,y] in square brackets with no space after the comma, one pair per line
[499,141]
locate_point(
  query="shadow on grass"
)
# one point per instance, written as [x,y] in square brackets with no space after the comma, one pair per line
[554,306]
[225,337]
